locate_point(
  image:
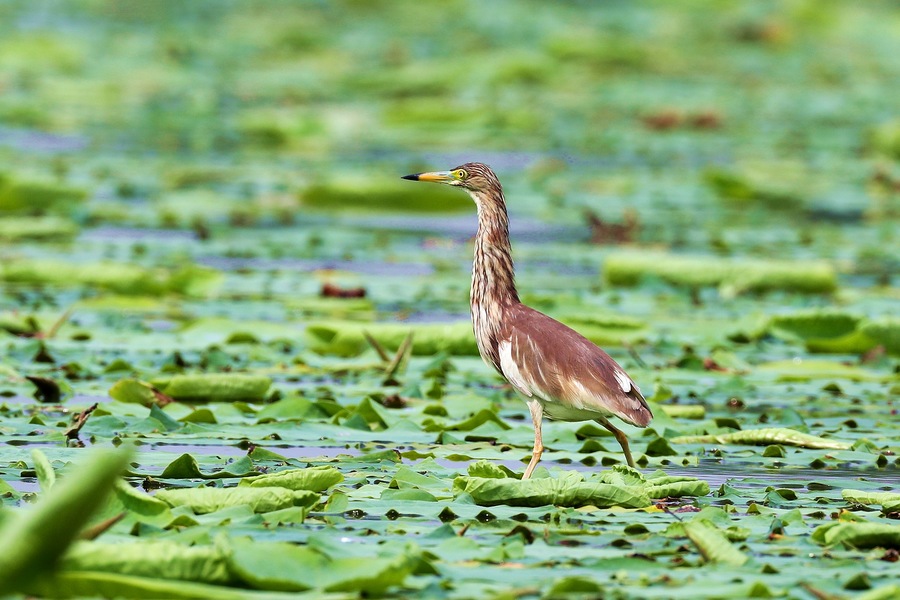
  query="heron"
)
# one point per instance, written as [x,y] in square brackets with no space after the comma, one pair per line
[558,372]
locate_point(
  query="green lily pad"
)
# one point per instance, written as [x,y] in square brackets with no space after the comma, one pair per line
[204,500]
[765,437]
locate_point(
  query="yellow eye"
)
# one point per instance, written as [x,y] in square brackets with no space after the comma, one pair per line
[460,174]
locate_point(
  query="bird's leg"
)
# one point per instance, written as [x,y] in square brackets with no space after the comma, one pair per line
[621,438]
[537,415]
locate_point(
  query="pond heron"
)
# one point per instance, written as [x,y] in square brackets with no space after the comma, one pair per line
[558,372]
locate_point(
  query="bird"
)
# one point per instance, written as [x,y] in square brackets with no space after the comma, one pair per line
[558,372]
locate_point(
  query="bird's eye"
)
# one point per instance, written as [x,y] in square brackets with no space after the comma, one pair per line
[460,174]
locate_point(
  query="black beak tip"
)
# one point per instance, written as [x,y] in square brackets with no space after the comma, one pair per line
[413,177]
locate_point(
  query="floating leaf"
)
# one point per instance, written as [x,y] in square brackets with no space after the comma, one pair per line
[204,500]
[316,479]
[666,486]
[568,490]
[858,535]
[776,184]
[347,338]
[884,138]
[487,469]
[138,392]
[288,567]
[81,584]
[140,505]
[122,278]
[885,592]
[45,473]
[216,387]
[186,467]
[684,411]
[889,501]
[884,331]
[35,197]
[731,275]
[765,437]
[712,544]
[166,559]
[15,229]
[476,420]
[813,324]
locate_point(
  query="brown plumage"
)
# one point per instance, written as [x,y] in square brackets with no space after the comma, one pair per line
[558,372]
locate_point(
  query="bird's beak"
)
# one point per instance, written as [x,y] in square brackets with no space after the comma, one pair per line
[435,177]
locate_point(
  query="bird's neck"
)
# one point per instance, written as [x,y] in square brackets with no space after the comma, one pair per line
[493,280]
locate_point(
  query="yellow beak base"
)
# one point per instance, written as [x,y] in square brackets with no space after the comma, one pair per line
[434,177]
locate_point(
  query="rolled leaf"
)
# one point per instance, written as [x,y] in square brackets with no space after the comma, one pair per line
[216,387]
[858,535]
[713,544]
[889,501]
[45,473]
[568,490]
[315,479]
[676,487]
[123,278]
[347,338]
[764,437]
[732,276]
[684,411]
[134,391]
[203,564]
[203,500]
[16,229]
[884,331]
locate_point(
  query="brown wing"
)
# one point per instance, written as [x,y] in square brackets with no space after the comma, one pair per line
[574,378]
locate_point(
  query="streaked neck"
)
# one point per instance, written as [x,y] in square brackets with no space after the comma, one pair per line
[493,282]
[493,279]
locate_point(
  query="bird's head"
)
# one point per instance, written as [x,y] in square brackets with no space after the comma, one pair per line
[474,177]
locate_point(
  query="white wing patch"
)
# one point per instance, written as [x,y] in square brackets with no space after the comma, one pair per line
[624,380]
[511,369]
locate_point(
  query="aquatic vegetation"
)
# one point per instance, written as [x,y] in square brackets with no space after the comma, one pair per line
[15,229]
[731,276]
[189,189]
[36,197]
